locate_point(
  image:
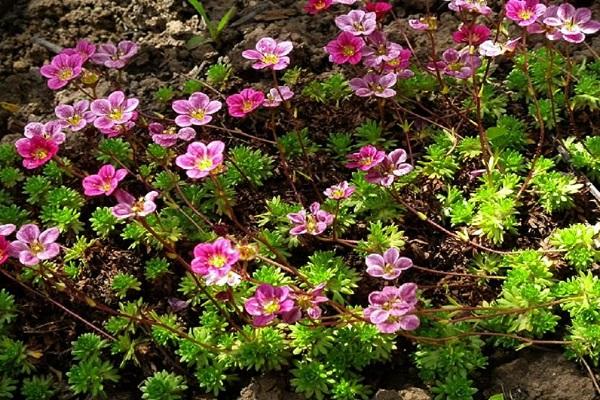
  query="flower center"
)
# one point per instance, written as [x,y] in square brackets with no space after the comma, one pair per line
[204,163]
[366,161]
[525,14]
[348,51]
[171,130]
[388,268]
[217,261]
[105,187]
[247,106]
[36,247]
[320,5]
[358,26]
[271,307]
[311,224]
[270,58]
[138,206]
[570,25]
[338,193]
[198,114]
[40,154]
[74,120]
[65,74]
[455,67]
[116,114]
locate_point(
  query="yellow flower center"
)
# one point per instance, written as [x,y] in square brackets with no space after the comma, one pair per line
[36,247]
[270,58]
[366,161]
[320,5]
[525,14]
[271,307]
[338,193]
[204,163]
[394,63]
[217,261]
[65,74]
[247,106]
[348,51]
[138,206]
[116,114]
[311,224]
[40,154]
[105,187]
[388,268]
[74,120]
[198,114]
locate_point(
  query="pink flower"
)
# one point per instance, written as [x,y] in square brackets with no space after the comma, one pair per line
[118,130]
[84,48]
[573,23]
[314,223]
[379,50]
[340,191]
[392,166]
[75,117]
[357,22]
[31,246]
[267,303]
[423,24]
[473,6]
[346,48]
[388,266]
[490,48]
[345,2]
[374,84]
[62,69]
[399,65]
[316,6]
[307,302]
[116,110]
[366,158]
[36,151]
[472,35]
[241,104]
[200,160]
[116,57]
[269,54]
[524,12]
[460,65]
[196,110]
[552,32]
[7,229]
[5,247]
[105,182]
[167,137]
[274,97]
[391,309]
[129,206]
[380,8]
[214,260]
[50,131]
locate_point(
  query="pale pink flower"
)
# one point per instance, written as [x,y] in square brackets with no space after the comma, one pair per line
[115,110]
[167,137]
[129,206]
[388,265]
[423,23]
[374,84]
[116,57]
[340,191]
[75,117]
[393,165]
[490,48]
[573,23]
[200,159]
[357,22]
[269,54]
[392,309]
[84,48]
[274,97]
[196,110]
[31,246]
[314,223]
[460,65]
[51,130]
[379,50]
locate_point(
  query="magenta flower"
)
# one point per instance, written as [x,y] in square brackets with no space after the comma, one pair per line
[243,103]
[62,69]
[388,266]
[5,247]
[75,117]
[167,137]
[200,159]
[379,50]
[346,48]
[129,206]
[472,35]
[116,110]
[50,131]
[357,22]
[341,191]
[36,151]
[490,48]
[316,6]
[380,8]
[31,246]
[366,158]
[373,84]
[116,57]
[392,166]
[552,32]
[423,23]
[84,48]
[391,308]
[276,96]
[215,259]
[573,23]
[307,302]
[196,110]
[105,182]
[472,6]
[399,65]
[269,54]
[460,65]
[314,223]
[524,12]
[267,303]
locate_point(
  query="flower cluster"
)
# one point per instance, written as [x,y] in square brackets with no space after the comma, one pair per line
[214,261]
[381,169]
[314,223]
[392,308]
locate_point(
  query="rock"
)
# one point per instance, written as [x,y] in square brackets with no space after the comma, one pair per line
[411,393]
[539,375]
[267,387]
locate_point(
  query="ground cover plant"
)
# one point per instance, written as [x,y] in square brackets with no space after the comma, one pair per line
[424,207]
